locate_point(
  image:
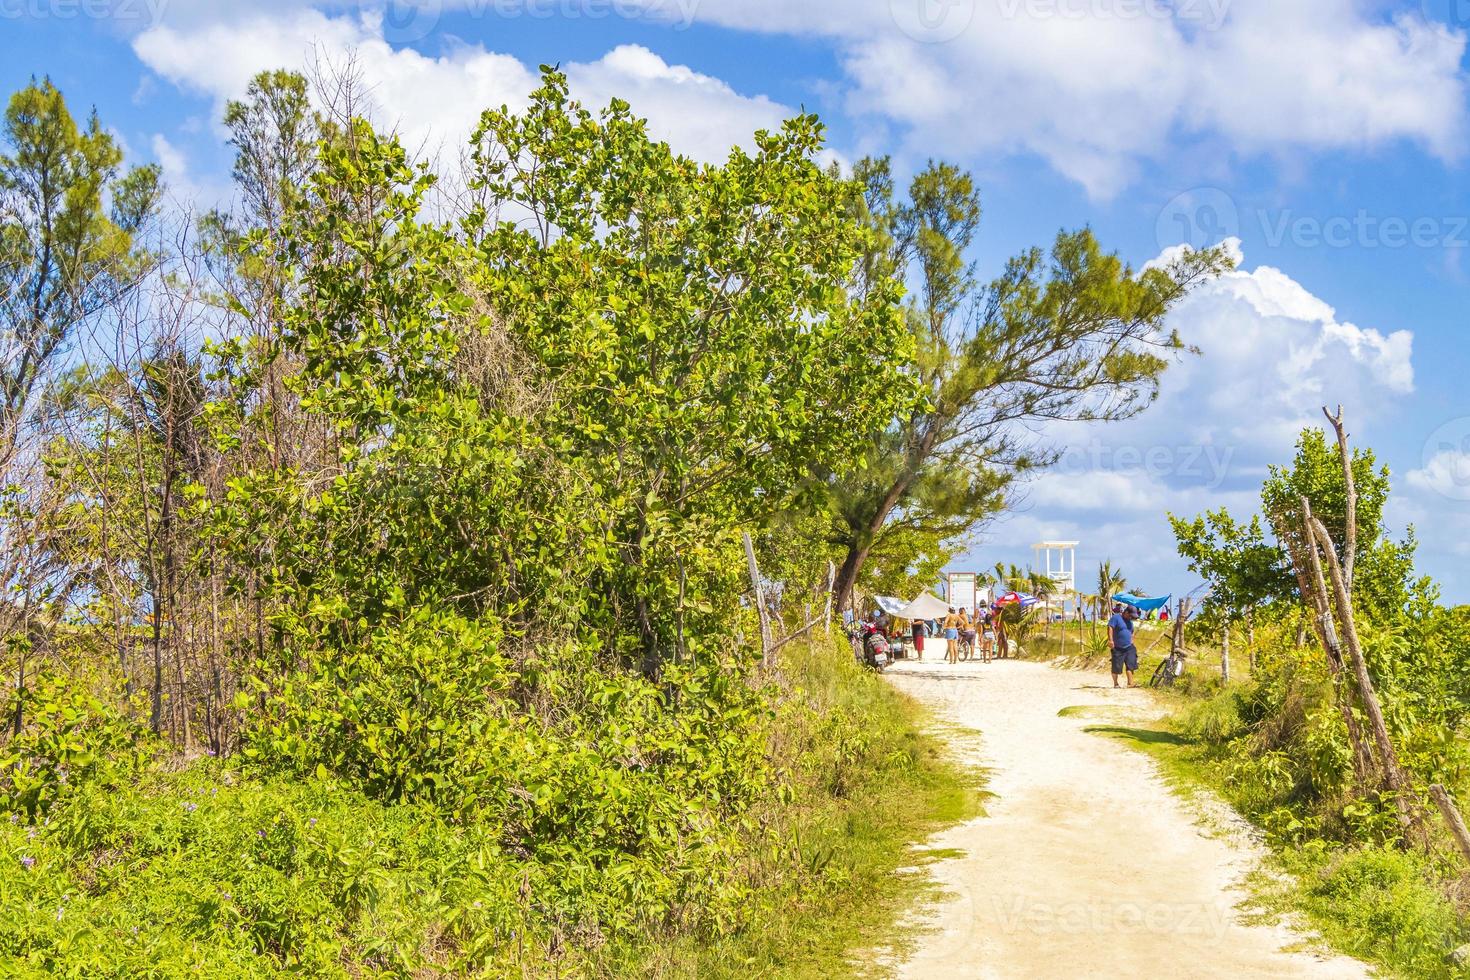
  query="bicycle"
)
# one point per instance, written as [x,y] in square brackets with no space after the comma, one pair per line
[967,644]
[1168,670]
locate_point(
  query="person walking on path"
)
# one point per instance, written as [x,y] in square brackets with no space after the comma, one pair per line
[986,625]
[1120,640]
[967,634]
[952,636]
[919,630]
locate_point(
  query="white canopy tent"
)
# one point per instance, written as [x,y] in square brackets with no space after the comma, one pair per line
[926,606]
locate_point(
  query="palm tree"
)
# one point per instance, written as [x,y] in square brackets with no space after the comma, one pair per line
[1110,582]
[1042,587]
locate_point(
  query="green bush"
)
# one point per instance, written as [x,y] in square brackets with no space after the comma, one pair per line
[1382,904]
[71,737]
[654,838]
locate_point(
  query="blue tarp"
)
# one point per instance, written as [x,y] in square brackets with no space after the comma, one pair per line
[1144,605]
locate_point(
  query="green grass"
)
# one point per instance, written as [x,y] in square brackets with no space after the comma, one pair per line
[862,849]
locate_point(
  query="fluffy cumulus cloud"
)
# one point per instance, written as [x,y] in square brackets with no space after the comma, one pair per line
[435,100]
[1093,86]
[1435,497]
[1272,354]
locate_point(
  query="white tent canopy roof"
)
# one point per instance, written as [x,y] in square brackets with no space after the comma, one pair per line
[926,606]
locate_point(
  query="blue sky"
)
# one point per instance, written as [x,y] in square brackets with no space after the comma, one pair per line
[1328,138]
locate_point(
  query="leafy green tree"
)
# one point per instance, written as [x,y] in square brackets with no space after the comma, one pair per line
[275,133]
[1242,568]
[907,561]
[694,322]
[1069,334]
[1383,567]
[69,217]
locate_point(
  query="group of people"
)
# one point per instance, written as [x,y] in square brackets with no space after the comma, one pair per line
[964,635]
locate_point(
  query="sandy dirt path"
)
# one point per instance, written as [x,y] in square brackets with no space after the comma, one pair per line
[1086,864]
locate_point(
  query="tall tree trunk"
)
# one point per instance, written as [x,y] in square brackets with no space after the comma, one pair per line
[847,574]
[156,716]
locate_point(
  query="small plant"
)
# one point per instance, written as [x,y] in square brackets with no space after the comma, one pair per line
[69,737]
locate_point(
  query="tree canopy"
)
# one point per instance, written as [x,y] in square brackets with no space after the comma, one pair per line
[1070,333]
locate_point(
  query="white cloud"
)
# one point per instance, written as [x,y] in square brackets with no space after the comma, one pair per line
[1446,473]
[175,168]
[1094,86]
[435,101]
[698,114]
[1272,355]
[188,191]
[1435,500]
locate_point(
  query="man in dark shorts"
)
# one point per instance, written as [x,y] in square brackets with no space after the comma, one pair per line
[1120,639]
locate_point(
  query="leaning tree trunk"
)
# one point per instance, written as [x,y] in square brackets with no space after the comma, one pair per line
[847,575]
[1394,778]
[1310,580]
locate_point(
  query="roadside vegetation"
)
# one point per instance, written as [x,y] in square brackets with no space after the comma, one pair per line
[215,866]
[377,597]
[1377,871]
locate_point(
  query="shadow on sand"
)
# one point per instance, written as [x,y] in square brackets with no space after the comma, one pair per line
[1144,736]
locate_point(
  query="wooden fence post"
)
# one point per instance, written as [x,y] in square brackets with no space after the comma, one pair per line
[831,583]
[1452,817]
[760,600]
[1225,654]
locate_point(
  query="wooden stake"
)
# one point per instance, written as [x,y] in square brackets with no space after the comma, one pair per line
[1452,817]
[1350,544]
[1225,656]
[1393,776]
[760,600]
[831,582]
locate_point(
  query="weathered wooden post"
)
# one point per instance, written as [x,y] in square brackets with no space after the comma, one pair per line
[1225,654]
[760,600]
[831,583]
[1452,817]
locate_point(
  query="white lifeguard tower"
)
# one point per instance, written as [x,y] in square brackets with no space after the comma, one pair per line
[1057,560]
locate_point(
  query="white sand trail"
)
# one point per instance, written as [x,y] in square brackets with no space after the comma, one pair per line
[1086,864]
